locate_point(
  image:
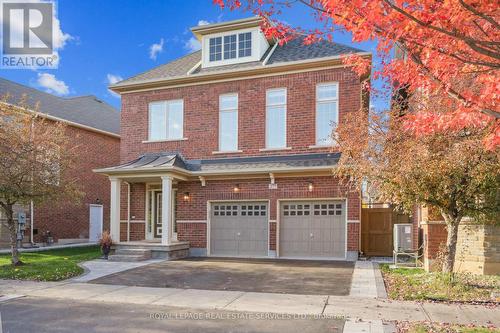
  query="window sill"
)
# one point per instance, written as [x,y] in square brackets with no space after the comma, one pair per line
[275,149]
[164,140]
[227,152]
[331,145]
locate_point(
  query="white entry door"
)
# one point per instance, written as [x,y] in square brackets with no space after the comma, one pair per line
[96,220]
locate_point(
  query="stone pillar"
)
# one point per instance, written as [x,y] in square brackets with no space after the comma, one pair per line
[114,215]
[166,205]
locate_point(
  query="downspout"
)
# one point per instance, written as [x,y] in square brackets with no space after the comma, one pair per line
[128,211]
[32,212]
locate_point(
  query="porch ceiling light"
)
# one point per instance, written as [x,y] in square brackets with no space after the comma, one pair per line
[236,188]
[310,187]
[186,196]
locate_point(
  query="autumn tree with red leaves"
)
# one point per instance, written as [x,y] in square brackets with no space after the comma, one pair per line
[443,43]
[451,171]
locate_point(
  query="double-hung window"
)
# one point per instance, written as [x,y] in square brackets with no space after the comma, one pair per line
[276,118]
[166,120]
[327,112]
[228,122]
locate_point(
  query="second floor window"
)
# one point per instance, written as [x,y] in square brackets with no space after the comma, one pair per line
[228,122]
[166,120]
[276,118]
[327,112]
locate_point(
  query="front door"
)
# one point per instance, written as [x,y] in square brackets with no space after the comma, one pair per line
[157,225]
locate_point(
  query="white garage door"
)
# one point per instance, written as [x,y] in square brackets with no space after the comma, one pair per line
[239,229]
[312,229]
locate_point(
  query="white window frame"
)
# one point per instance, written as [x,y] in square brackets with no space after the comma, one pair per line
[326,101]
[286,114]
[221,110]
[166,137]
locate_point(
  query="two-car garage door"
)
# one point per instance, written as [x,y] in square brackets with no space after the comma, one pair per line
[307,229]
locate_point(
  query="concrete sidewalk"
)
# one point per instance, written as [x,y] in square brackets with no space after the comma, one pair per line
[345,306]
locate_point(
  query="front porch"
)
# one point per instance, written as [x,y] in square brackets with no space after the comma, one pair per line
[144,250]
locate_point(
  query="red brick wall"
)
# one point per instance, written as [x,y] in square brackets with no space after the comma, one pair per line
[137,201]
[66,218]
[272,236]
[201,109]
[137,231]
[194,233]
[353,236]
[435,235]
[251,189]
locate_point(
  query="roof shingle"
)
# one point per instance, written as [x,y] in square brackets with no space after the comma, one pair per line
[84,110]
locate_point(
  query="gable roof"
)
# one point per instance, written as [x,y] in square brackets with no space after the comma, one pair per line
[88,111]
[289,53]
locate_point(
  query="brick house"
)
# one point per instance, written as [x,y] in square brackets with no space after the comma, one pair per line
[93,128]
[227,151]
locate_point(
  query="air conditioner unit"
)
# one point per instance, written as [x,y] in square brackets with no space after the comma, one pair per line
[402,237]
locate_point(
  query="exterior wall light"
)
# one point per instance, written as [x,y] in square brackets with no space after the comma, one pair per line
[186,196]
[236,188]
[310,187]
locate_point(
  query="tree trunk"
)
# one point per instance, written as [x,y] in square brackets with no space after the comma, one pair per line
[13,227]
[452,224]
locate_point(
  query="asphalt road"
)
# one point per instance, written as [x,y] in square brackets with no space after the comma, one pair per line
[49,315]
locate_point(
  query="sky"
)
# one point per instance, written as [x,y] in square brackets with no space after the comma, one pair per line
[101,42]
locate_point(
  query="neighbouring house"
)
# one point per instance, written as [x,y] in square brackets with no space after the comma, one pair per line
[228,152]
[93,127]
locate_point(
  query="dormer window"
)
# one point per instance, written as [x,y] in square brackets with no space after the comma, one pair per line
[245,44]
[216,49]
[230,46]
[240,41]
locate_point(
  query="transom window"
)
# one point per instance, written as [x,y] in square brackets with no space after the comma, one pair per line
[215,45]
[327,114]
[228,122]
[230,46]
[276,118]
[166,120]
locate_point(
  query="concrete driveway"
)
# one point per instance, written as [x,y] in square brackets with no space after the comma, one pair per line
[250,275]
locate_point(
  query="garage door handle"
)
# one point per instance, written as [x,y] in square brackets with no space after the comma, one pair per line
[312,236]
[239,234]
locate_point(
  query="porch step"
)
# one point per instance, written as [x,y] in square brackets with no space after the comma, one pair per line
[130,255]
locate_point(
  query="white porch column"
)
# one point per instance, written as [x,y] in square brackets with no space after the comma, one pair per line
[166,210]
[114,214]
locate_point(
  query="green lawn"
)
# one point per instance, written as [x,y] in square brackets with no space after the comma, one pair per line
[52,265]
[416,284]
[405,327]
